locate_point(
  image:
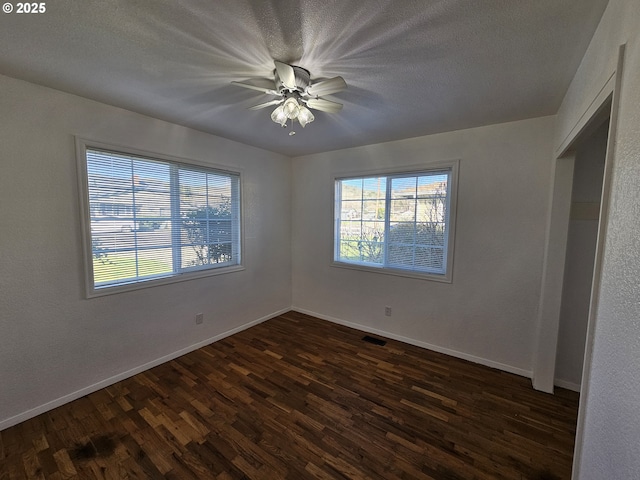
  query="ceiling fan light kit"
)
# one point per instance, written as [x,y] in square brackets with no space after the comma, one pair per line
[305,116]
[279,116]
[297,95]
[291,108]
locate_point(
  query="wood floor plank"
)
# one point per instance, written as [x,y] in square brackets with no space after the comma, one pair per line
[295,398]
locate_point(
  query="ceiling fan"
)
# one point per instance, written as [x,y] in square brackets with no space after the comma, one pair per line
[297,94]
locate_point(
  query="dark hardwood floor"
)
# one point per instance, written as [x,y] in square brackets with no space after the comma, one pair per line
[297,397]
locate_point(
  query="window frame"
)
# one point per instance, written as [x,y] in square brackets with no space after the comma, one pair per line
[82,145]
[408,170]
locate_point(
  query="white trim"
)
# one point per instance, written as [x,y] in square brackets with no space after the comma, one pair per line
[452,167]
[126,149]
[33,412]
[417,343]
[82,145]
[434,277]
[597,269]
[164,280]
[591,112]
[397,169]
[555,250]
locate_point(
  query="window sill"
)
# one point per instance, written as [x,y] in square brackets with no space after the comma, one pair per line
[395,272]
[93,292]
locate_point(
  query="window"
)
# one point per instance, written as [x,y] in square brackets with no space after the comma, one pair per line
[153,220]
[397,223]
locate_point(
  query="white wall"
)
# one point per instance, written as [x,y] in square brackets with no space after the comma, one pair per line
[608,439]
[488,313]
[581,253]
[54,342]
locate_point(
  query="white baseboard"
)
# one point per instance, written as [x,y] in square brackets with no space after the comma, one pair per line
[21,417]
[417,343]
[574,387]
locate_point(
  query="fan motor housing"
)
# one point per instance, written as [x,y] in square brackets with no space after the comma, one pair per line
[302,75]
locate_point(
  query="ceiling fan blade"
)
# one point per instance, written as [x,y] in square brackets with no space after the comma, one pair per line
[266,104]
[286,74]
[254,87]
[324,105]
[327,87]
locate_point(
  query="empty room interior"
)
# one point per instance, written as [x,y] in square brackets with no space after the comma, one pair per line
[250,239]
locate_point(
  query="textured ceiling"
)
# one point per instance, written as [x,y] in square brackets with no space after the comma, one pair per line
[414,67]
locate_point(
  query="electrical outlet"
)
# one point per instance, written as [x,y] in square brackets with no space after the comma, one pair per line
[199,318]
[387,311]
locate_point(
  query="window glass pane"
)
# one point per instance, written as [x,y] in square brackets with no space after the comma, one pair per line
[403,210]
[349,250]
[402,232]
[152,218]
[400,256]
[429,258]
[208,218]
[374,188]
[113,266]
[431,209]
[373,209]
[351,230]
[399,221]
[371,251]
[352,189]
[429,185]
[156,261]
[403,187]
[367,251]
[372,242]
[426,234]
[193,256]
[351,209]
[219,193]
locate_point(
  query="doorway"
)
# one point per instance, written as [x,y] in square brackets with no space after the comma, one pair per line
[582,235]
[603,108]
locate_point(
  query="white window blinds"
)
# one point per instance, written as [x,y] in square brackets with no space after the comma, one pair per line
[400,221]
[152,218]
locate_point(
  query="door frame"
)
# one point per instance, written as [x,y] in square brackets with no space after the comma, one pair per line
[606,103]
